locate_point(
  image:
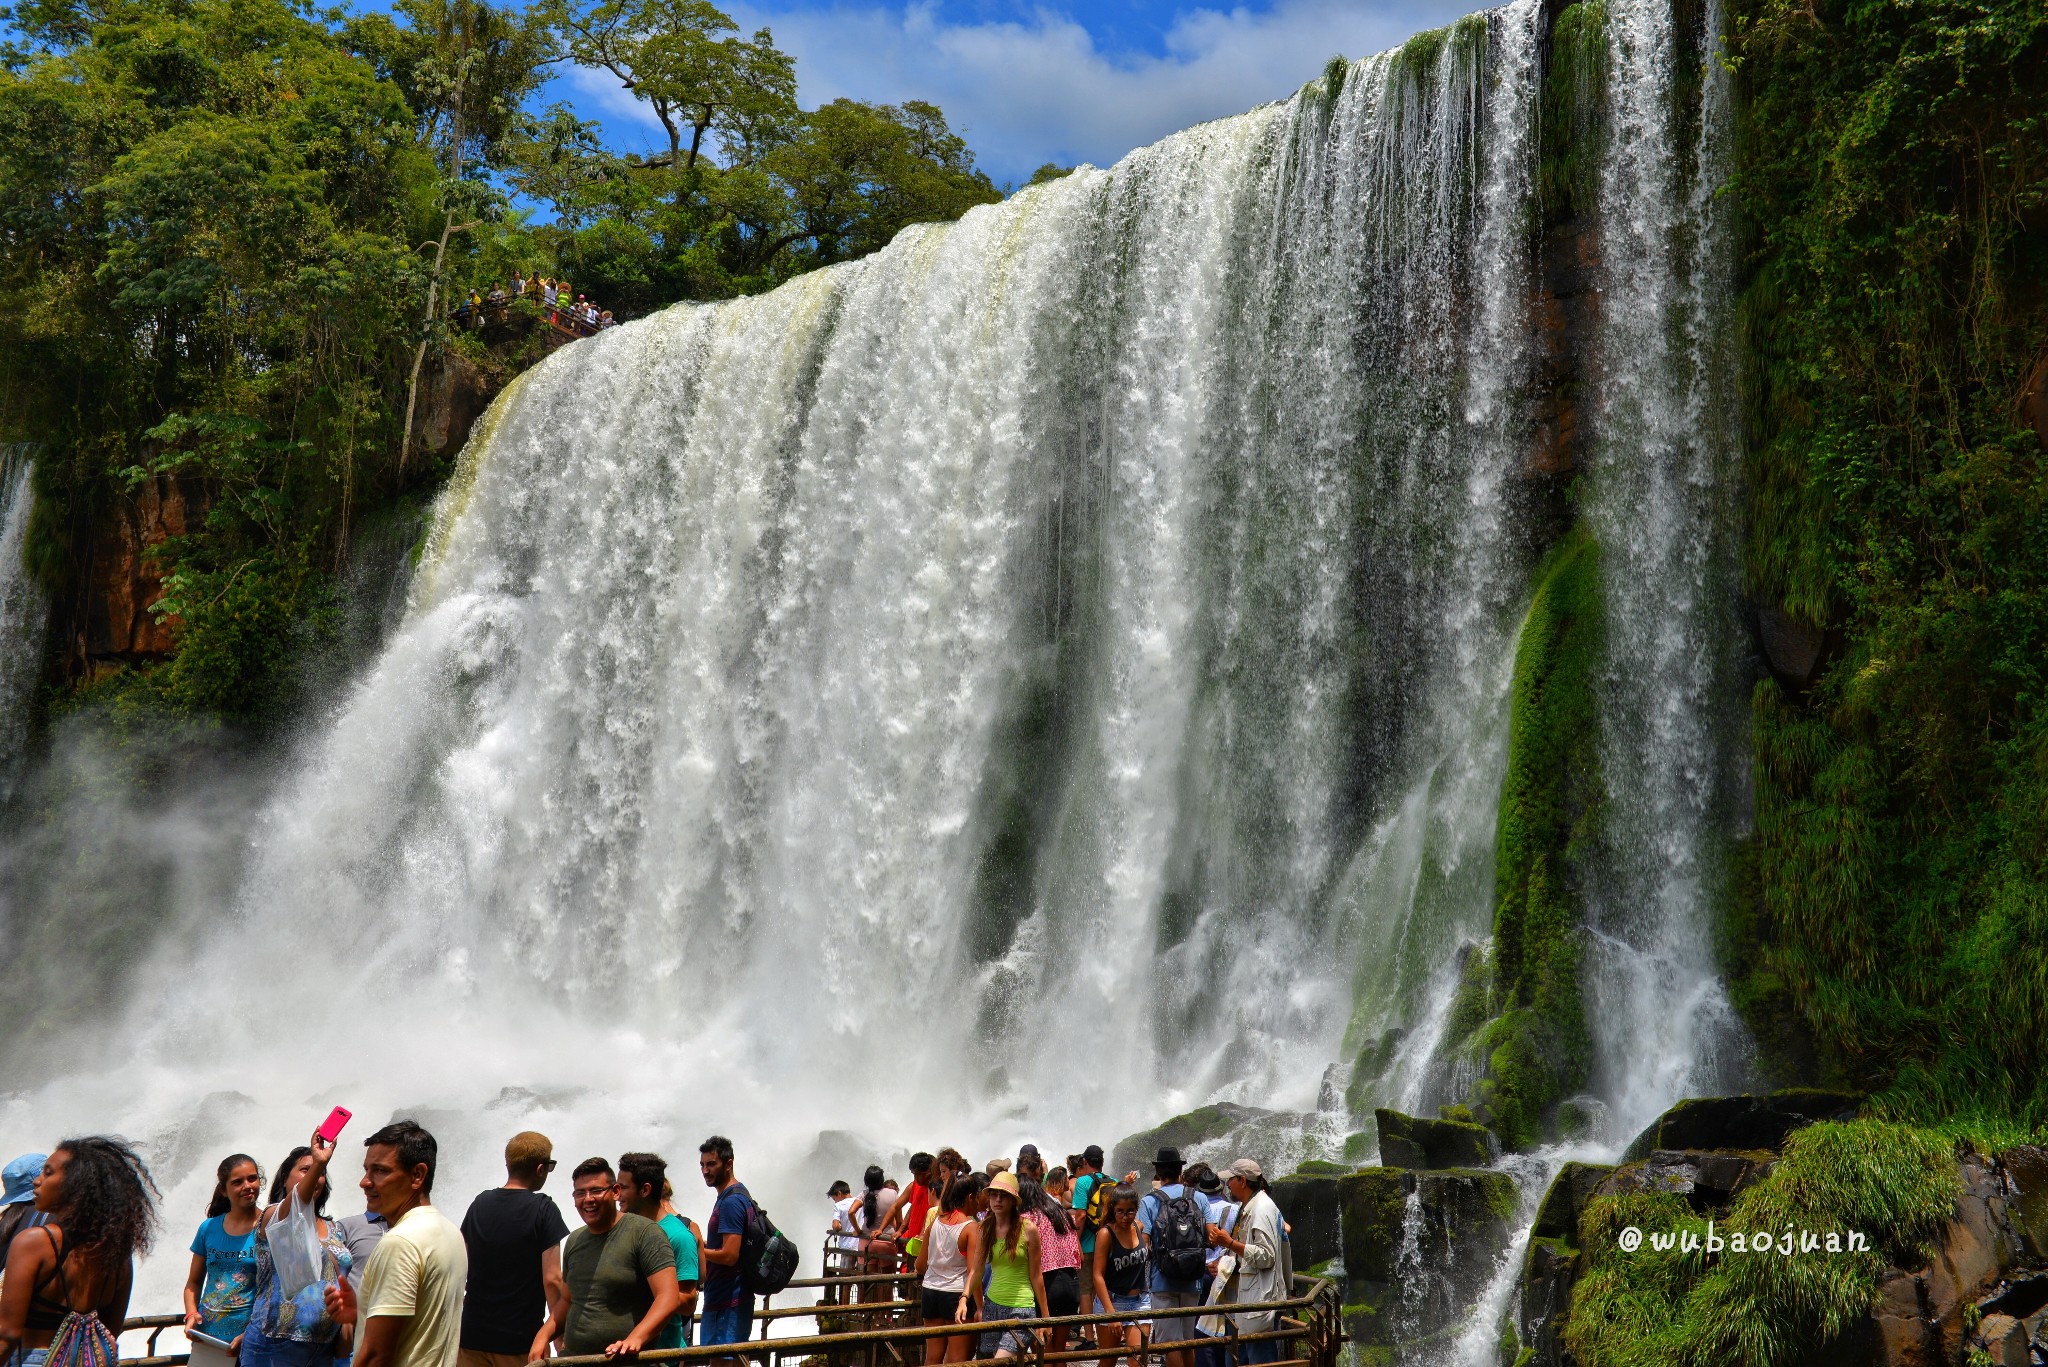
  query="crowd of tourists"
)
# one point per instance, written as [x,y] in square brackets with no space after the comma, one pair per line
[276,1280]
[556,301]
[1015,1242]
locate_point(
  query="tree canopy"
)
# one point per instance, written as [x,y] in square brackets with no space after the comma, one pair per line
[240,229]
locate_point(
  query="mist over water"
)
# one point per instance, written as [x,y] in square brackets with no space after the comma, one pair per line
[1019,685]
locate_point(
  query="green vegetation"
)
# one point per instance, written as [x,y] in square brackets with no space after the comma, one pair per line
[1680,1308]
[1574,93]
[1894,166]
[234,232]
[1535,1050]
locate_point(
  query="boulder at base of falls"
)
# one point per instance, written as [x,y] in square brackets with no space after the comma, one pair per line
[1408,1141]
[1134,1153]
[1419,1247]
[1308,1200]
[1741,1122]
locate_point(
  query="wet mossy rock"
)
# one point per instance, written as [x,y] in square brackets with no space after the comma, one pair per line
[1309,1203]
[1183,1132]
[1533,1049]
[1408,1141]
[1565,1201]
[1741,1122]
[1461,1219]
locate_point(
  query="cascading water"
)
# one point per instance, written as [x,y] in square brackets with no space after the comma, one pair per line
[1038,677]
[1663,470]
[23,612]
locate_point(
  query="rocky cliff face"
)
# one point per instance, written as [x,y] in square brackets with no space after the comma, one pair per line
[121,580]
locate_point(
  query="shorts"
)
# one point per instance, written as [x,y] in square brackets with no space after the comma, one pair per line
[934,1304]
[1013,1341]
[732,1325]
[1127,1305]
[1063,1291]
[477,1357]
[1170,1328]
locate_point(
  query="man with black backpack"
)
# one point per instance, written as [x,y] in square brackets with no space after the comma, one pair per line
[744,1254]
[1176,1221]
[728,1307]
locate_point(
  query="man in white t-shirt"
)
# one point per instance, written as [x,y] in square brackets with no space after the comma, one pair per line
[409,1312]
[845,1225]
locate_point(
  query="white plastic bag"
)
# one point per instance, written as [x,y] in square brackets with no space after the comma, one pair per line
[295,1252]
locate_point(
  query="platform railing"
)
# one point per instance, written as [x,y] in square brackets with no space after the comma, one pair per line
[1310,1332]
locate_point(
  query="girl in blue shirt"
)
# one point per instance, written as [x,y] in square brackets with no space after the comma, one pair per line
[222,1281]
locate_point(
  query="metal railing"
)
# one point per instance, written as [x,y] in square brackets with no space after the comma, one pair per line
[1309,1328]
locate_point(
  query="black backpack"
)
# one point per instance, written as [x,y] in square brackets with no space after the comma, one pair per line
[1180,1237]
[767,1259]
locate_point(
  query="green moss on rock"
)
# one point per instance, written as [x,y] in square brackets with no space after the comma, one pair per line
[1536,1050]
[1894,1184]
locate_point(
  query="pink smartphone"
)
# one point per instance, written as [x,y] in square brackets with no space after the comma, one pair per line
[331,1127]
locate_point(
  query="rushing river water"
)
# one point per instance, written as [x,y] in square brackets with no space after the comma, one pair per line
[1043,676]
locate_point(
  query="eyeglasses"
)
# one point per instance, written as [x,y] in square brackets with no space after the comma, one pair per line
[547,1165]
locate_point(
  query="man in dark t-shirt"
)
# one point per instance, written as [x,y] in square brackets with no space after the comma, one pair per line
[728,1307]
[621,1273]
[514,1235]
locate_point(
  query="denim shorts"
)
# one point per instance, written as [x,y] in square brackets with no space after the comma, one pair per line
[734,1325]
[1127,1305]
[1017,1340]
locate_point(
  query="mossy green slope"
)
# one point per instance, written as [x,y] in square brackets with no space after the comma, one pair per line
[1893,1184]
[1535,1050]
[1893,164]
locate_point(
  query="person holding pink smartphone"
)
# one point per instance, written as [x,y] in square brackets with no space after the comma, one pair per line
[291,1327]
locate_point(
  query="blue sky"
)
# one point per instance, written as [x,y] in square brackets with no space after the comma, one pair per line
[1032,83]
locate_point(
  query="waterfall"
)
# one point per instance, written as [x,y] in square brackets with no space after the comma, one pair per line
[23,612]
[1040,677]
[1664,465]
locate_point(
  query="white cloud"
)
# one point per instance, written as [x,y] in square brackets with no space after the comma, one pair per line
[1031,92]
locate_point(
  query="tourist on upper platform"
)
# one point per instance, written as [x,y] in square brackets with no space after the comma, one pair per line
[878,1246]
[1015,1290]
[296,1330]
[18,1200]
[1260,1249]
[1059,1256]
[1176,1228]
[77,1268]
[942,1261]
[605,320]
[222,1280]
[843,1244]
[905,1218]
[728,1313]
[513,1236]
[621,1275]
[643,1178]
[1119,1271]
[409,1313]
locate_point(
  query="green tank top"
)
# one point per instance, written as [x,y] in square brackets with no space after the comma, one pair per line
[1011,1284]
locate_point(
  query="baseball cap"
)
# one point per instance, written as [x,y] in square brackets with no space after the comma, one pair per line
[20,1177]
[1247,1169]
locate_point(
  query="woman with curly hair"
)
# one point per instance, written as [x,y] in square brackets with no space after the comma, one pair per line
[68,1281]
